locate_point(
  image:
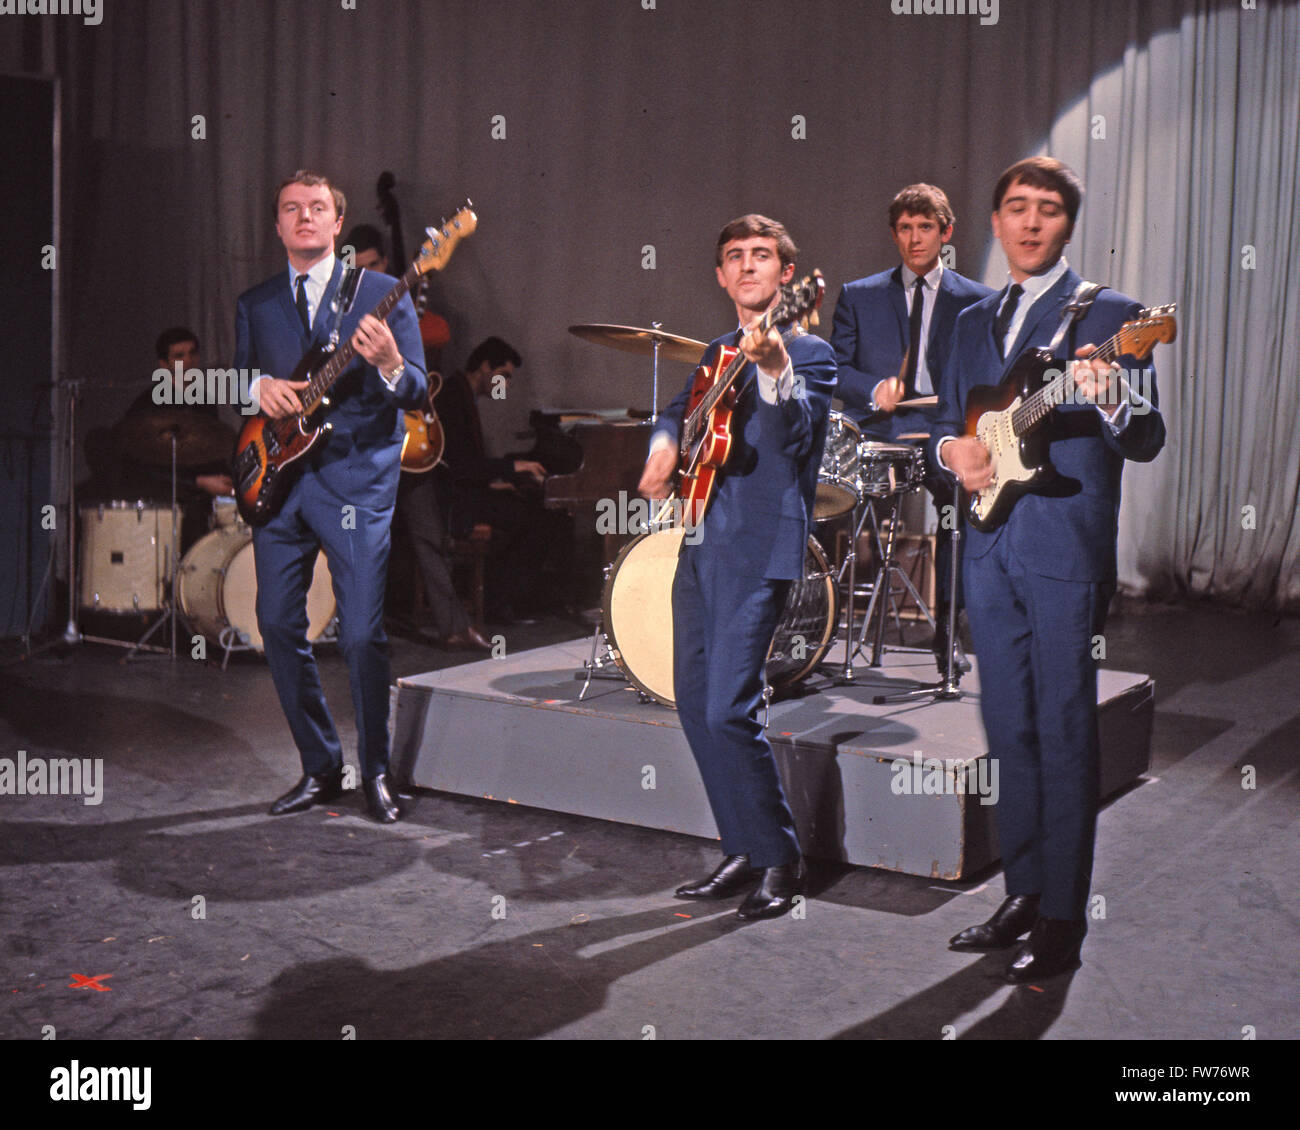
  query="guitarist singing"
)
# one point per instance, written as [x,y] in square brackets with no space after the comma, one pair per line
[735,570]
[343,496]
[1037,586]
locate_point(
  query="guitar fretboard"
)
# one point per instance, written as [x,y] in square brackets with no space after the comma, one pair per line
[1060,390]
[323,379]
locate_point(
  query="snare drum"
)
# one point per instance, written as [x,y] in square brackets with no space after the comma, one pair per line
[218,590]
[890,468]
[638,616]
[838,487]
[125,556]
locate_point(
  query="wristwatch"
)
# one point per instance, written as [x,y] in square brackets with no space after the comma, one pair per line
[389,378]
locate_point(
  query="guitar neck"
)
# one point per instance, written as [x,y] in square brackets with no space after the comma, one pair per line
[321,381]
[691,428]
[1060,389]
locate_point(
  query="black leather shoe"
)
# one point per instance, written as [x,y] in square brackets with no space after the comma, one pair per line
[1016,915]
[310,790]
[733,875]
[1052,948]
[380,801]
[775,892]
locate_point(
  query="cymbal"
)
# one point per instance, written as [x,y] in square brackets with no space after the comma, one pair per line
[146,437]
[633,339]
[919,402]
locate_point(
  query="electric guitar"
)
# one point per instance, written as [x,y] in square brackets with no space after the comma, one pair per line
[1007,417]
[706,438]
[423,444]
[267,448]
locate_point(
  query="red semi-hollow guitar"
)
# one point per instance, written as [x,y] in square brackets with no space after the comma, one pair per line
[706,428]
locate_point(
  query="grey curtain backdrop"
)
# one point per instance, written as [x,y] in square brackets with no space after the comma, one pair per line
[628,125]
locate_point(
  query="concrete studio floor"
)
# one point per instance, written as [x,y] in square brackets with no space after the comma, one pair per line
[205,918]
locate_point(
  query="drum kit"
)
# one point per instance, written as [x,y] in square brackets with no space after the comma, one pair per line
[634,640]
[129,552]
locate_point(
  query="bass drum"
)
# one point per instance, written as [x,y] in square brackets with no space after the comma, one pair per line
[218,590]
[125,556]
[638,616]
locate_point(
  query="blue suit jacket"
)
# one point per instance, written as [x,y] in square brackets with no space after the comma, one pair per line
[757,523]
[870,336]
[366,414]
[1068,534]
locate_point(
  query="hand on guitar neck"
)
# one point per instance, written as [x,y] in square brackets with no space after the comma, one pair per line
[969,459]
[373,340]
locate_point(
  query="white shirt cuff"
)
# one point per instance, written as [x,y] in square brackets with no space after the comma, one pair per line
[776,391]
[938,450]
[661,440]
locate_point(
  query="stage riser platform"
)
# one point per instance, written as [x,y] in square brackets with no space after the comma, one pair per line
[512,730]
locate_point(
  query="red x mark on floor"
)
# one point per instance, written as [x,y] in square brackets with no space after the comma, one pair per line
[80,982]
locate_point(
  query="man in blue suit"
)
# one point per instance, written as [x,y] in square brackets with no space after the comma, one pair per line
[343,497]
[878,321]
[736,567]
[1037,587]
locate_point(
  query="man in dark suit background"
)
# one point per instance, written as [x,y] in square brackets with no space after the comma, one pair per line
[478,488]
[1038,586]
[877,321]
[344,494]
[735,570]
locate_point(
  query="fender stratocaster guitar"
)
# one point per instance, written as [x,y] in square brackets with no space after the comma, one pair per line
[267,448]
[706,437]
[1007,417]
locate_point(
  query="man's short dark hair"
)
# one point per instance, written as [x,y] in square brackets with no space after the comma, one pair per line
[173,336]
[921,200]
[748,226]
[366,237]
[1046,173]
[495,352]
[311,180]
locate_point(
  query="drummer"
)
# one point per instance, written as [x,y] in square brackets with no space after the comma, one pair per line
[121,472]
[891,333]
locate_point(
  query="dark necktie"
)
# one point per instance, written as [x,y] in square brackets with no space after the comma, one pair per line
[1003,320]
[914,335]
[302,303]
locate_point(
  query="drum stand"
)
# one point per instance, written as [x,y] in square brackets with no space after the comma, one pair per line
[947,687]
[881,586]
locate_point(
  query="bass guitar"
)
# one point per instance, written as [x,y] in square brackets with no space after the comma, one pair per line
[1007,417]
[706,438]
[268,449]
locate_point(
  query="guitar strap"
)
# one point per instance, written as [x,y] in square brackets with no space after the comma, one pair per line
[341,303]
[1074,310]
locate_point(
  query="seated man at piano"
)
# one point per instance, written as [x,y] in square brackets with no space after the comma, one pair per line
[500,494]
[891,334]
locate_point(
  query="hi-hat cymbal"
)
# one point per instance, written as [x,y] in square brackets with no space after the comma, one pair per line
[146,437]
[633,339]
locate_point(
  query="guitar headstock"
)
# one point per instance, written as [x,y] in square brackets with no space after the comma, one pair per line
[441,242]
[1155,324]
[799,301]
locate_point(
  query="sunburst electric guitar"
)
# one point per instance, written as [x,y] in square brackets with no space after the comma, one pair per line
[268,449]
[706,438]
[1007,417]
